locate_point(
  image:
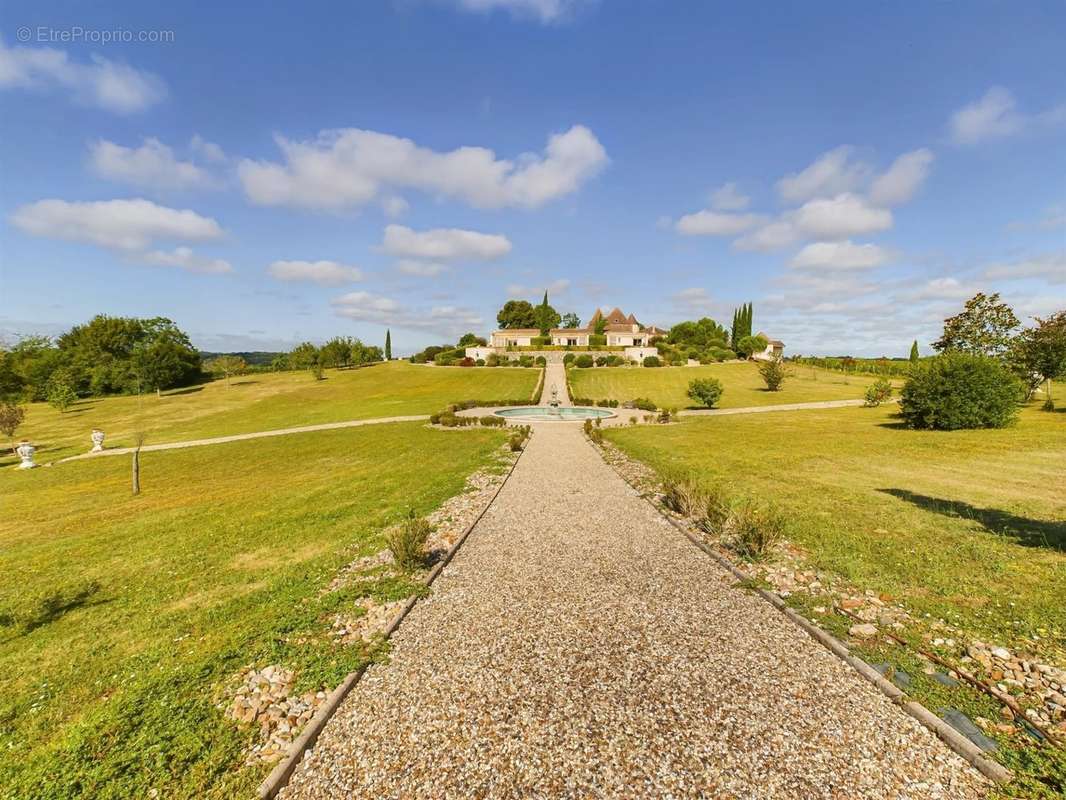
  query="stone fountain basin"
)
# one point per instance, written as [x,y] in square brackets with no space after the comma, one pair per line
[549,414]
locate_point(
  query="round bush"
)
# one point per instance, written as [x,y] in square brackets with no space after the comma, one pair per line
[652,361]
[956,390]
[584,361]
[568,358]
[707,391]
[541,361]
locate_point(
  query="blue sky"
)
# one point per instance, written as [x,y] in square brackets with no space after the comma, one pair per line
[268,176]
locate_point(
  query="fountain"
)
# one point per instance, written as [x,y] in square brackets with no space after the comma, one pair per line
[25,452]
[97,437]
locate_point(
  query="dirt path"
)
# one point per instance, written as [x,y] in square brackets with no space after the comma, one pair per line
[579,646]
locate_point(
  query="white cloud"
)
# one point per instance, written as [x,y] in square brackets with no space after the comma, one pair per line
[117,224]
[185,258]
[152,165]
[831,174]
[692,299]
[558,286]
[444,244]
[728,198]
[772,236]
[840,217]
[992,117]
[325,273]
[899,183]
[1050,267]
[394,206]
[100,82]
[714,223]
[422,269]
[844,255]
[442,320]
[348,168]
[209,151]
[545,11]
[941,289]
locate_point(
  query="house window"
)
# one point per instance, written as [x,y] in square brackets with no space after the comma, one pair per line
[571,342]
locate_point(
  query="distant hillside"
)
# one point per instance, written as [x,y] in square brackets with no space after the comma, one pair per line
[258,358]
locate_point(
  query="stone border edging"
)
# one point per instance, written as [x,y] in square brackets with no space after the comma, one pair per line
[951,737]
[279,776]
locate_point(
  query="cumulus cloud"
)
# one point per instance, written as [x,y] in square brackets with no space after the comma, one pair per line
[153,165]
[772,236]
[695,299]
[442,320]
[728,198]
[994,116]
[831,174]
[545,11]
[941,289]
[1050,267]
[715,223]
[116,224]
[325,273]
[185,258]
[99,82]
[558,286]
[421,269]
[130,227]
[840,217]
[901,181]
[348,168]
[209,151]
[844,255]
[444,244]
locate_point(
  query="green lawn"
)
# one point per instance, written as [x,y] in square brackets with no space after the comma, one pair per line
[668,386]
[266,401]
[219,564]
[969,526]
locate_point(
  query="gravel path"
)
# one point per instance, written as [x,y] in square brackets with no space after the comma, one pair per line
[238,437]
[578,646]
[716,412]
[555,375]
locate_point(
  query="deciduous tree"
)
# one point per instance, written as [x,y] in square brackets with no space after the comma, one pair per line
[984,328]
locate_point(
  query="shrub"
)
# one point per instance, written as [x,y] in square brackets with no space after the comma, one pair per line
[607,403]
[11,416]
[480,362]
[774,373]
[714,513]
[958,390]
[584,361]
[582,401]
[525,361]
[568,358]
[597,340]
[678,362]
[644,404]
[601,361]
[667,415]
[407,542]
[542,361]
[682,496]
[593,431]
[434,419]
[61,396]
[492,421]
[878,392]
[518,438]
[652,361]
[615,361]
[540,341]
[751,344]
[753,529]
[707,391]
[467,362]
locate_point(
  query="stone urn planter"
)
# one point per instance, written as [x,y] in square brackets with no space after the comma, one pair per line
[97,437]
[25,451]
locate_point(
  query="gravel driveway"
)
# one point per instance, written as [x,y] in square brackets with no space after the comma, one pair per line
[578,646]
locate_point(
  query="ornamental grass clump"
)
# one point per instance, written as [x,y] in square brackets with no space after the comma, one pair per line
[683,496]
[716,511]
[753,529]
[407,542]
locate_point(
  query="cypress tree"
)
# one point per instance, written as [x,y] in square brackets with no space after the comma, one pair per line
[734,331]
[544,330]
[914,352]
[388,345]
[748,322]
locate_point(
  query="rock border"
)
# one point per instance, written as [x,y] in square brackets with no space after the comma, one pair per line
[279,776]
[951,737]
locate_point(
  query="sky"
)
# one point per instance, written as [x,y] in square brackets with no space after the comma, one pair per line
[267,175]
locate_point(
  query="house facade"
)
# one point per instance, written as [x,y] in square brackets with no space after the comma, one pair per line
[775,349]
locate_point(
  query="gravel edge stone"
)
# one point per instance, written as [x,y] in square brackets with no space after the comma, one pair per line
[952,738]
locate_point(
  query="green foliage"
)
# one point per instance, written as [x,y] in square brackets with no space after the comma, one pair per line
[61,396]
[773,373]
[518,438]
[584,361]
[11,417]
[753,529]
[652,361]
[750,344]
[472,340]
[741,328]
[878,392]
[914,352]
[570,320]
[407,542]
[226,366]
[1040,353]
[701,334]
[706,391]
[388,344]
[984,327]
[540,341]
[958,390]
[303,356]
[597,340]
[518,314]
[569,358]
[644,404]
[600,328]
